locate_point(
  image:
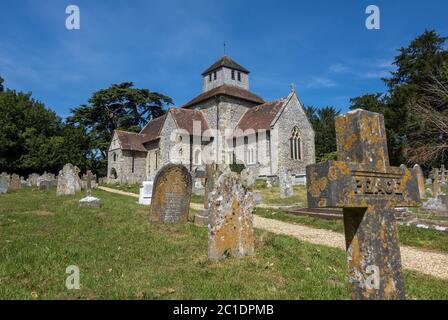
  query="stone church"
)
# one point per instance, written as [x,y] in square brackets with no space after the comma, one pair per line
[226,123]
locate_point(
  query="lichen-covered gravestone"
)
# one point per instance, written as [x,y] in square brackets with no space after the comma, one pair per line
[285,183]
[231,230]
[171,195]
[67,180]
[15,183]
[368,189]
[4,182]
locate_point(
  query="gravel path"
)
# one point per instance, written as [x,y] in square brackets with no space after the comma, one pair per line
[119,192]
[427,262]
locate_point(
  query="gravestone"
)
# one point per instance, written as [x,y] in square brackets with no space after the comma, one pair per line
[368,189]
[268,184]
[435,183]
[32,178]
[198,188]
[171,195]
[146,192]
[211,174]
[231,230]
[15,183]
[67,181]
[248,177]
[285,183]
[417,170]
[78,181]
[4,182]
[89,201]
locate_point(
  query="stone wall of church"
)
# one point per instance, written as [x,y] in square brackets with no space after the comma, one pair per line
[293,115]
[224,76]
[124,161]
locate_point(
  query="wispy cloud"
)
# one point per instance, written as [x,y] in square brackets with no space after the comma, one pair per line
[321,82]
[339,68]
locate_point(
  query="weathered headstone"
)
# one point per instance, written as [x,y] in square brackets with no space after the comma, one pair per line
[32,178]
[67,181]
[15,183]
[4,182]
[211,174]
[198,188]
[435,183]
[171,195]
[417,170]
[285,183]
[368,189]
[248,177]
[146,192]
[78,181]
[230,218]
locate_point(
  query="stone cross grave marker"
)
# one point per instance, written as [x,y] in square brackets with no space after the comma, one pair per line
[89,182]
[231,231]
[171,195]
[367,188]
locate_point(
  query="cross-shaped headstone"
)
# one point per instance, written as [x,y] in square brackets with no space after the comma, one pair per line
[89,182]
[367,188]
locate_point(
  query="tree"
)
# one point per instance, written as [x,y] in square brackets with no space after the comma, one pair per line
[33,138]
[118,107]
[428,143]
[1,84]
[417,66]
[323,122]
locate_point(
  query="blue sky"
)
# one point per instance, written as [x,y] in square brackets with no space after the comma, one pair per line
[321,46]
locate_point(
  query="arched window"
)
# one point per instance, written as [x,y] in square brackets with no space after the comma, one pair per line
[197,157]
[295,144]
[114,156]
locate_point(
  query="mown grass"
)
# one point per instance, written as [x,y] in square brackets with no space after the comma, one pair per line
[272,195]
[121,257]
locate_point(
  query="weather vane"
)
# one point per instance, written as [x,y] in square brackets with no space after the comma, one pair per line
[224,48]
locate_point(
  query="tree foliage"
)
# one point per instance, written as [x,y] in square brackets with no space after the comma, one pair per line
[419,66]
[33,138]
[121,106]
[323,122]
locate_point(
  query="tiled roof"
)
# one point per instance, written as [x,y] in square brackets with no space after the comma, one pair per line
[185,117]
[225,90]
[130,140]
[152,129]
[225,61]
[260,117]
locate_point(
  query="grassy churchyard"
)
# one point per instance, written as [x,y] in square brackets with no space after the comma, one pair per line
[120,256]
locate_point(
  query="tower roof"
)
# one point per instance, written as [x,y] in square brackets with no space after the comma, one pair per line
[225,61]
[225,90]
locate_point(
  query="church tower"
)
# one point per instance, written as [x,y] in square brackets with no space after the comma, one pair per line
[225,71]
